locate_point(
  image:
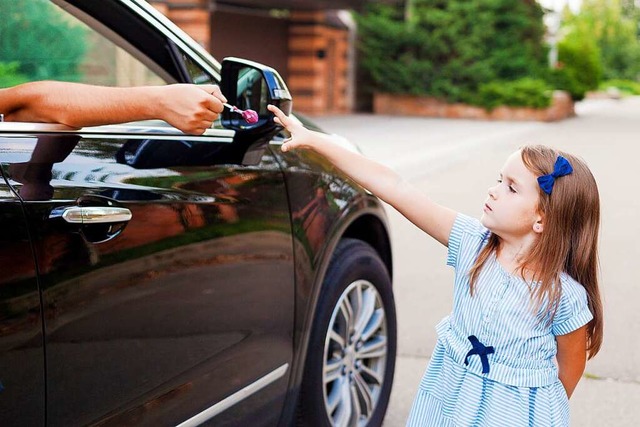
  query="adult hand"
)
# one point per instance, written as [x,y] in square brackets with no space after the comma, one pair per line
[191,108]
[301,137]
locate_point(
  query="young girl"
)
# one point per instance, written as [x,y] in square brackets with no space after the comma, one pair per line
[525,292]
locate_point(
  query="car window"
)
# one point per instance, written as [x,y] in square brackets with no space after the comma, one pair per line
[40,41]
[196,73]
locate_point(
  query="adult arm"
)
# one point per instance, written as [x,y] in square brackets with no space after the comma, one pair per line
[434,219]
[572,358]
[190,108]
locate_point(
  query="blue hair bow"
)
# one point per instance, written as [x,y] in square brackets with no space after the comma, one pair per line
[561,168]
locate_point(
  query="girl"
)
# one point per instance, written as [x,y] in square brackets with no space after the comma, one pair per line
[525,292]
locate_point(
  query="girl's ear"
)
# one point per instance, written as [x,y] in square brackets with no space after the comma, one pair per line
[538,227]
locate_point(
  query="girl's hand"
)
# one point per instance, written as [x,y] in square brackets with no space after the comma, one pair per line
[301,137]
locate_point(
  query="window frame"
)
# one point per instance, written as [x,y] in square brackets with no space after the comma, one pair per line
[146,34]
[149,37]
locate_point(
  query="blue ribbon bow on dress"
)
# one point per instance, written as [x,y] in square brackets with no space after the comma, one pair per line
[481,350]
[561,168]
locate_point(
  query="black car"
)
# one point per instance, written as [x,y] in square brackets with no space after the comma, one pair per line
[148,277]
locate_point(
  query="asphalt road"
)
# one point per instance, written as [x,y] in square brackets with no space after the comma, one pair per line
[455,161]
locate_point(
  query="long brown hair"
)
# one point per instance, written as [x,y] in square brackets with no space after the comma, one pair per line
[569,242]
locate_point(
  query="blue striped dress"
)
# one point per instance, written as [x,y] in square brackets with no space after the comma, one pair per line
[521,387]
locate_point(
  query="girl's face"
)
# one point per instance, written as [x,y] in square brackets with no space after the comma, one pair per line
[511,208]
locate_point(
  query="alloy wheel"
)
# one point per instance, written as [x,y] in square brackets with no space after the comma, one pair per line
[355,354]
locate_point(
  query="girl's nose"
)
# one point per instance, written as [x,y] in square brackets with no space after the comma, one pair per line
[492,191]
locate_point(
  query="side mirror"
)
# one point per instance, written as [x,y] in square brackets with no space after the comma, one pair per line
[250,85]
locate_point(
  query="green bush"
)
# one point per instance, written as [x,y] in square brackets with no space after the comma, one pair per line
[392,53]
[10,74]
[45,43]
[627,87]
[614,27]
[580,65]
[447,49]
[525,92]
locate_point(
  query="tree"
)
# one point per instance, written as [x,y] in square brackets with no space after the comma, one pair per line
[614,26]
[580,64]
[448,48]
[40,42]
[10,74]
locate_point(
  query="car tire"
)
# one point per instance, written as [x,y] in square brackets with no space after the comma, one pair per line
[352,349]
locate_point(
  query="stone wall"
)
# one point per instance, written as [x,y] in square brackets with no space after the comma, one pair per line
[192,16]
[318,64]
[561,107]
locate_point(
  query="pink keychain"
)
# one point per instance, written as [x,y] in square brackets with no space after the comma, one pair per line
[249,116]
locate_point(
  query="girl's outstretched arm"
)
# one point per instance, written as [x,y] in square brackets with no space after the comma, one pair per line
[189,108]
[572,357]
[434,219]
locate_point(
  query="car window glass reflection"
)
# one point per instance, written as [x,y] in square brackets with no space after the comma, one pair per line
[58,46]
[33,172]
[196,73]
[35,175]
[252,91]
[151,154]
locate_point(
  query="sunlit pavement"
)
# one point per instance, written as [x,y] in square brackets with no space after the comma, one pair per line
[455,161]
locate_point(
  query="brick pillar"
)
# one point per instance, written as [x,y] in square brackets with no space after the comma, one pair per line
[192,16]
[318,64]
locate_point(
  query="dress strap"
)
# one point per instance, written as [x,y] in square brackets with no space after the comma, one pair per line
[481,350]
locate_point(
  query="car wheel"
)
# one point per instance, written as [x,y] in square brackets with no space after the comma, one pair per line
[352,349]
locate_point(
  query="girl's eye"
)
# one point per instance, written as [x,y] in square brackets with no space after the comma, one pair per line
[513,190]
[499,181]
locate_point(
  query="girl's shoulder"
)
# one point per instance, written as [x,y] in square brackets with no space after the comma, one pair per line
[572,293]
[573,308]
[468,225]
[466,238]
[570,286]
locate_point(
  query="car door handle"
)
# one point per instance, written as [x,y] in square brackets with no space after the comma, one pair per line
[87,215]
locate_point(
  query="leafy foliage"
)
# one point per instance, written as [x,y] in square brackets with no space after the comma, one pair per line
[10,74]
[580,65]
[525,92]
[600,42]
[627,87]
[614,26]
[449,48]
[37,37]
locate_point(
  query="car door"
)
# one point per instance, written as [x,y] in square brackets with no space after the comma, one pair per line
[163,315]
[165,261]
[22,379]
